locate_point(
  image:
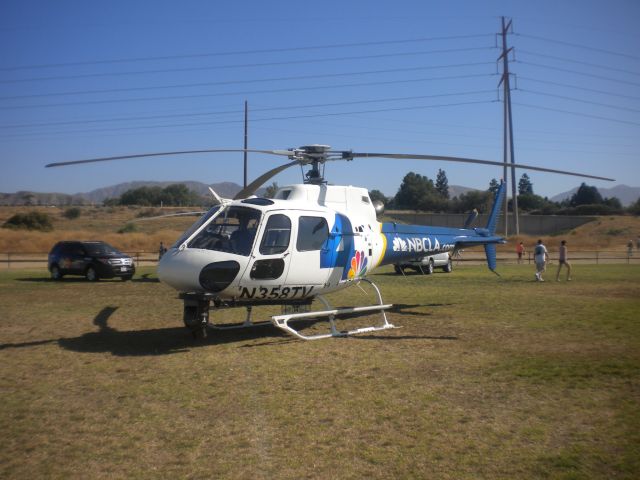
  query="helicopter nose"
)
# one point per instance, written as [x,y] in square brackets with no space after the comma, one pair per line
[217,276]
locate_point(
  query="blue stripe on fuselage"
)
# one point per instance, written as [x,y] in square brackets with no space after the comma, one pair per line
[406,242]
[341,234]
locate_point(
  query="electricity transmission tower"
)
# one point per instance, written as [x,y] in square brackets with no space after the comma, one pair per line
[508,129]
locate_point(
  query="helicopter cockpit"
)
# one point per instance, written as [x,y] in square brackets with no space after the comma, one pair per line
[232,231]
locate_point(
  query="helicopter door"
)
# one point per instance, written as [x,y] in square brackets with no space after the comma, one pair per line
[265,277]
[311,239]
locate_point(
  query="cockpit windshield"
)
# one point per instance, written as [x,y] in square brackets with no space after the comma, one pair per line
[185,236]
[233,231]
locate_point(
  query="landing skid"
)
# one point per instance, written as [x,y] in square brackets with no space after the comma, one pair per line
[197,306]
[282,321]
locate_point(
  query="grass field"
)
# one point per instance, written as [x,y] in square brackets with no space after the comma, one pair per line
[487,378]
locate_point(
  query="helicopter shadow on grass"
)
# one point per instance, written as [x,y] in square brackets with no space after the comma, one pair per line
[158,341]
[69,280]
[145,278]
[50,280]
[164,341]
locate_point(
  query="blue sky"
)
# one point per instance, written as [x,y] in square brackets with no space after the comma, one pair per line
[82,79]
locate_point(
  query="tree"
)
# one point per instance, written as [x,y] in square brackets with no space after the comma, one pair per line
[525,187]
[442,184]
[494,185]
[477,199]
[530,201]
[585,195]
[418,192]
[613,202]
[378,195]
[271,190]
[177,194]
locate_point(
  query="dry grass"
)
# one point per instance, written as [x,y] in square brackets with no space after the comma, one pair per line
[488,378]
[606,233]
[96,223]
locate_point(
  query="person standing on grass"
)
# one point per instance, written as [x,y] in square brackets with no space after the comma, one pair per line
[630,248]
[541,257]
[520,251]
[563,260]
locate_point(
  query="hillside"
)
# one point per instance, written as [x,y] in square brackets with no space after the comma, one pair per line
[103,223]
[224,189]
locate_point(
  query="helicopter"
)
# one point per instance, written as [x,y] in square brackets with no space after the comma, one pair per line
[310,240]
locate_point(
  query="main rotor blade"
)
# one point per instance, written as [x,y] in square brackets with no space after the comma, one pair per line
[258,182]
[409,156]
[285,153]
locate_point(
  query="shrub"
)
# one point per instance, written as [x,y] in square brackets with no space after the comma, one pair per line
[72,213]
[149,212]
[30,221]
[128,228]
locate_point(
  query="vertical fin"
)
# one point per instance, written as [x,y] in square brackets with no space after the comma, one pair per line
[495,210]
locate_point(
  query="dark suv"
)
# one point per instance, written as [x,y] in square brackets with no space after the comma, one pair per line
[94,260]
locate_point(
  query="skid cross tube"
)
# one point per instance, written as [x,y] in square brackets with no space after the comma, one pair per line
[282,321]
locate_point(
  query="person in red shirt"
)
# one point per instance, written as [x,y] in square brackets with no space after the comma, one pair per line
[520,251]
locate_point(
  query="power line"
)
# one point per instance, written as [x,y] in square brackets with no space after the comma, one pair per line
[567,70]
[589,64]
[264,119]
[578,87]
[280,90]
[246,52]
[585,47]
[577,113]
[245,65]
[573,99]
[266,109]
[210,84]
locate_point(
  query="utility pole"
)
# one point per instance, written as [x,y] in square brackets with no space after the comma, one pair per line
[246,136]
[508,130]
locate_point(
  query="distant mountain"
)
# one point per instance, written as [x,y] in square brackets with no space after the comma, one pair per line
[224,189]
[627,195]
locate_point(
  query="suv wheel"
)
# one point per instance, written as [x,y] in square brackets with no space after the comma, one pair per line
[91,274]
[55,273]
[429,269]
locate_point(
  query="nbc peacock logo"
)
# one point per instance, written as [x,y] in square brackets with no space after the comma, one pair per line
[399,245]
[358,265]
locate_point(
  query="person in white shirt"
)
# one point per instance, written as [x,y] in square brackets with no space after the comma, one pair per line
[541,257]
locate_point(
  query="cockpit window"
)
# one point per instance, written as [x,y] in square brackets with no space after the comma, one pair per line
[313,232]
[276,235]
[232,231]
[185,236]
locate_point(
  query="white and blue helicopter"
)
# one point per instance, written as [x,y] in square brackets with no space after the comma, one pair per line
[311,239]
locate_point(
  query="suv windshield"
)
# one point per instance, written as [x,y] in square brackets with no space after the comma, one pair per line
[97,249]
[233,232]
